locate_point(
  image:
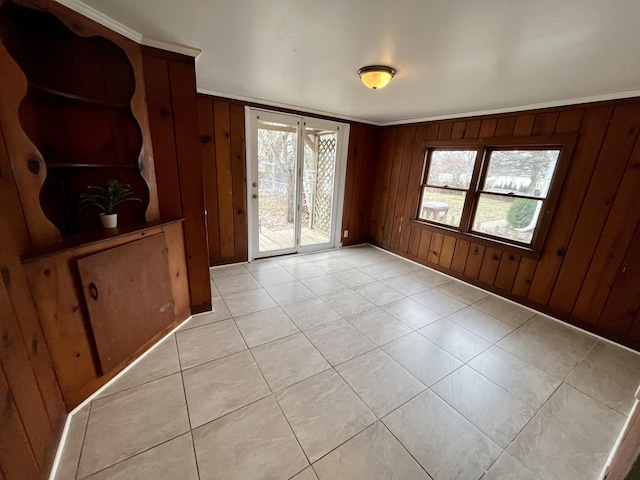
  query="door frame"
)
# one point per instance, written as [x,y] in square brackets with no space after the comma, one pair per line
[339,180]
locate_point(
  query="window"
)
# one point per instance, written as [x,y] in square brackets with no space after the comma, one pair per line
[447,183]
[502,190]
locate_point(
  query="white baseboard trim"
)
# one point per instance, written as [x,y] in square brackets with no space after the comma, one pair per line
[566,324]
[67,423]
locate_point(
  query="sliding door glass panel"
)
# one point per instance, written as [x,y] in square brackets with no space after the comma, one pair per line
[318,180]
[277,174]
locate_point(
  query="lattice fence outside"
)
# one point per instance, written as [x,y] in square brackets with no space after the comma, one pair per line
[324,183]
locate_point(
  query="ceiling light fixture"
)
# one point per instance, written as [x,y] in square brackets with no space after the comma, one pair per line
[376,76]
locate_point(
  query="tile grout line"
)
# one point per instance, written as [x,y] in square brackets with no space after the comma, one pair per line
[276,398]
[269,386]
[332,367]
[450,373]
[494,383]
[398,440]
[107,395]
[378,419]
[426,388]
[186,404]
[138,454]
[283,414]
[84,437]
[545,402]
[585,393]
[121,391]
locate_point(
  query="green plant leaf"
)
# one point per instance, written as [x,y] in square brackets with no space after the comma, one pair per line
[113,194]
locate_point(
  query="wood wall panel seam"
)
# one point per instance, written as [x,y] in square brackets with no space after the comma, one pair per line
[392,189]
[444,131]
[22,381]
[447,251]
[383,181]
[162,131]
[239,179]
[413,187]
[472,129]
[414,241]
[224,177]
[425,244]
[505,126]
[16,455]
[209,175]
[545,123]
[460,255]
[507,271]
[458,129]
[403,181]
[524,275]
[524,125]
[488,128]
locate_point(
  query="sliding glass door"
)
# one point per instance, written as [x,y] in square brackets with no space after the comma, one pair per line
[294,166]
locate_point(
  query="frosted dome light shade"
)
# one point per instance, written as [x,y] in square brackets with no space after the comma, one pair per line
[376,76]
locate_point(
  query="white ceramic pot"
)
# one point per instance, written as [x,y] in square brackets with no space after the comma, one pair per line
[109,220]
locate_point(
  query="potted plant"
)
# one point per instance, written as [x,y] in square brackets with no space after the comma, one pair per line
[106,198]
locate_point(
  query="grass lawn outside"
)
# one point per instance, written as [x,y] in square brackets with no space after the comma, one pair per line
[491,214]
[492,209]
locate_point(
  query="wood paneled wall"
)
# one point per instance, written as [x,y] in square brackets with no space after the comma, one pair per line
[361,173]
[32,411]
[589,248]
[173,117]
[222,140]
[222,137]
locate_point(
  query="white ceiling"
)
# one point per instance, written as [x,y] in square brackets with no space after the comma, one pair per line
[453,57]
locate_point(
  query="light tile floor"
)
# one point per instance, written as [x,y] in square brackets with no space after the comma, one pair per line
[355,364]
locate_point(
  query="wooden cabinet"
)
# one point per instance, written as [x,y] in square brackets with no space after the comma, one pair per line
[128,296]
[73,113]
[78,338]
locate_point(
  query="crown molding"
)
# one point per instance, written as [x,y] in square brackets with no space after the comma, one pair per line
[172,47]
[287,106]
[106,21]
[449,116]
[99,17]
[516,108]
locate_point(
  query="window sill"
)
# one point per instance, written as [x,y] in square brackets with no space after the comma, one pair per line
[479,239]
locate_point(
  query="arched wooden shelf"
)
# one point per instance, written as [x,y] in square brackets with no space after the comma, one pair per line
[83,115]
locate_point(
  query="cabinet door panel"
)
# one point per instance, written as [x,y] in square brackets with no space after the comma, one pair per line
[128,294]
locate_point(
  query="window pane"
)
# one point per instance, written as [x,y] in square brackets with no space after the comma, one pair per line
[527,172]
[507,217]
[451,168]
[442,206]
